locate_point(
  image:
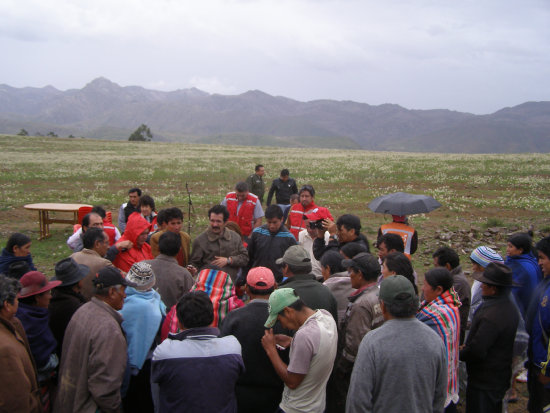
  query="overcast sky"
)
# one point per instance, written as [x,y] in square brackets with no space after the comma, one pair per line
[474,56]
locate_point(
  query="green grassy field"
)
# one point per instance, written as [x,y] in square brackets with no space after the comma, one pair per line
[476,190]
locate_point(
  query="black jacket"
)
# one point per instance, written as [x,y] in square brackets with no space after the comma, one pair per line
[490,344]
[259,388]
[319,246]
[264,248]
[129,209]
[283,191]
[314,294]
[63,305]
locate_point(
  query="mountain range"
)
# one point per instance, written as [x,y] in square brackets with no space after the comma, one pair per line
[102,109]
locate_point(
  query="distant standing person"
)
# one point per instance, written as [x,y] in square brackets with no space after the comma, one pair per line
[400,226]
[256,184]
[244,208]
[296,219]
[283,187]
[128,208]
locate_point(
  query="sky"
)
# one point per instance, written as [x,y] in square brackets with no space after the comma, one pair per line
[474,56]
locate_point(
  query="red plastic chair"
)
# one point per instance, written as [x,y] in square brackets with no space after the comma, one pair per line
[82,211]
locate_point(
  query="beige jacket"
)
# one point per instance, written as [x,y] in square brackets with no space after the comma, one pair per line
[95,262]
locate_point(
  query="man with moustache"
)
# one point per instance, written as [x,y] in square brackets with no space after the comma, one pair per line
[218,245]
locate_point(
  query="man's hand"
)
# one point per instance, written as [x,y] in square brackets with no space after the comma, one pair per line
[283,340]
[192,269]
[330,226]
[268,341]
[220,261]
[124,245]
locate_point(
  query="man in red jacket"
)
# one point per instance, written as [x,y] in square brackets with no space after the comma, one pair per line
[296,217]
[244,208]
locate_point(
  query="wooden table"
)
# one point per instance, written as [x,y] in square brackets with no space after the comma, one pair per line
[44,219]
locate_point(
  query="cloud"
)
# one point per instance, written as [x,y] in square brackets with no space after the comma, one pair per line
[364,50]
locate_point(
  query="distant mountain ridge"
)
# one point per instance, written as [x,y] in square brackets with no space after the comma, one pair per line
[103,109]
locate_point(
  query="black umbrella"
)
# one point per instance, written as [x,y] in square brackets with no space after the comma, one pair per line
[403,203]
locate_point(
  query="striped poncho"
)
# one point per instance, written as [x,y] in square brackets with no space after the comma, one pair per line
[219,287]
[443,317]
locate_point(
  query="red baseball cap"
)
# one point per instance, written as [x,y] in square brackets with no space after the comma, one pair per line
[318,213]
[34,282]
[260,278]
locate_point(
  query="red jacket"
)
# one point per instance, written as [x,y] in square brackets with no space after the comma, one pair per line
[110,231]
[245,217]
[135,226]
[296,218]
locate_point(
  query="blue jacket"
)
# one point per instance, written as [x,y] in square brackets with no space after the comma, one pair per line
[538,325]
[527,274]
[7,258]
[142,314]
[195,371]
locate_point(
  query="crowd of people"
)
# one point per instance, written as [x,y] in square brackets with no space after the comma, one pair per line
[291,315]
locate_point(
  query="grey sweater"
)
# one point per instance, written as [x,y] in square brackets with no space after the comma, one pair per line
[400,367]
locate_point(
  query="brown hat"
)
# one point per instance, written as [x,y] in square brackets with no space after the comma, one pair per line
[34,282]
[497,274]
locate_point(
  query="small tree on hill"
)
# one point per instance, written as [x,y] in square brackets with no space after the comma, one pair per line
[141,134]
[52,134]
[23,132]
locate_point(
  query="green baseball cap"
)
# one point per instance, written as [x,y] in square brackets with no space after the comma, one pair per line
[396,288]
[278,300]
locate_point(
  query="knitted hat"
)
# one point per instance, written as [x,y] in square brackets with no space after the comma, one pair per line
[141,274]
[278,300]
[485,255]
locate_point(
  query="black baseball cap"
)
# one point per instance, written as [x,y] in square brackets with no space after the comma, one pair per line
[109,277]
